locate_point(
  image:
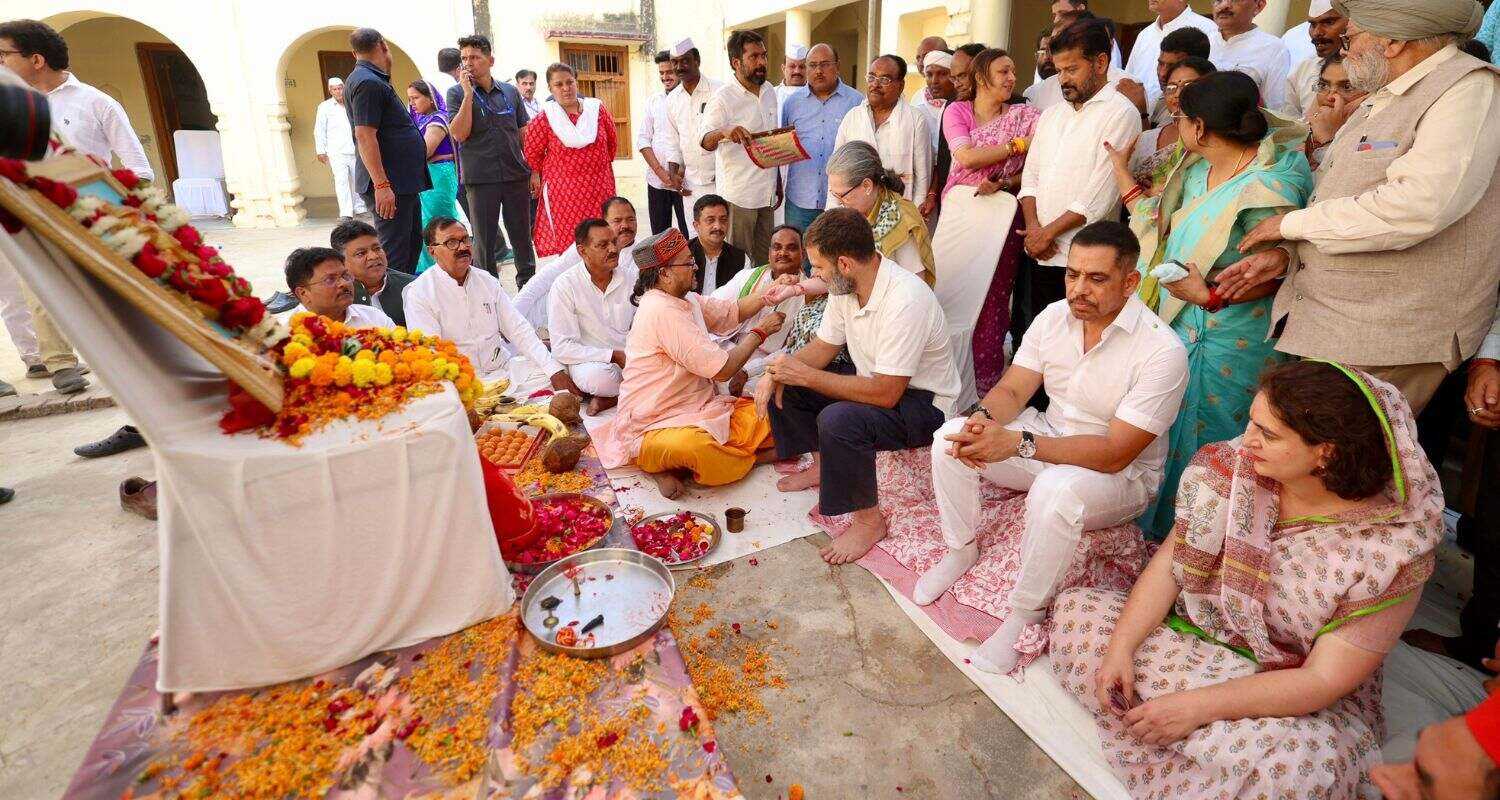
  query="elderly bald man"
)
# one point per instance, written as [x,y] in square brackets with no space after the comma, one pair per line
[1392,265]
[333,141]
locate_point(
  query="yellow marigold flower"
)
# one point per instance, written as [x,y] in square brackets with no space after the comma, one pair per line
[345,361]
[413,334]
[384,374]
[302,339]
[398,334]
[365,354]
[343,374]
[363,372]
[292,352]
[303,367]
[389,357]
[452,371]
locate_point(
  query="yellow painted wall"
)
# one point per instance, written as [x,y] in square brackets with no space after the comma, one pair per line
[845,28]
[101,52]
[911,30]
[303,85]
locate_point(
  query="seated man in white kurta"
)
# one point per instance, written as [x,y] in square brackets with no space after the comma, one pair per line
[785,267]
[589,314]
[467,307]
[1116,375]
[319,279]
[531,301]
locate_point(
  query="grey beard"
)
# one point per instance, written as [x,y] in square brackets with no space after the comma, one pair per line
[1369,72]
[839,284]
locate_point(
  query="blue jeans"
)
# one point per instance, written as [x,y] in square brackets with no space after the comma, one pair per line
[799,217]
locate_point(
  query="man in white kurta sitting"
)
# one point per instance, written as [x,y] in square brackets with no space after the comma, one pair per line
[323,285]
[1116,375]
[333,141]
[785,267]
[467,307]
[532,300]
[589,314]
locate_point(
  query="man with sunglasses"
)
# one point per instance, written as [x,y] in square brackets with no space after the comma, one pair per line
[324,286]
[467,306]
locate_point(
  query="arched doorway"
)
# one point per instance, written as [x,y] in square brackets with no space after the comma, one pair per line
[157,84]
[304,71]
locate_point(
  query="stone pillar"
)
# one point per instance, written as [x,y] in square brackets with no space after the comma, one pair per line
[1273,18]
[989,22]
[798,29]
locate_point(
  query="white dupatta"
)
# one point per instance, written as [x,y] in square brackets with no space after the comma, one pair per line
[575,136]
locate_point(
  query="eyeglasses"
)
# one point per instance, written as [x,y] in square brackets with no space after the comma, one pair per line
[1174,88]
[333,280]
[839,196]
[4,53]
[1345,39]
[454,244]
[879,80]
[822,64]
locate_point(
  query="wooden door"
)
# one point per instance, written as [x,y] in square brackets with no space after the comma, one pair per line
[177,98]
[334,64]
[602,74]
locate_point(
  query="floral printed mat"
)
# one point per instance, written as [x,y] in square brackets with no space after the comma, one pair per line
[481,713]
[1111,558]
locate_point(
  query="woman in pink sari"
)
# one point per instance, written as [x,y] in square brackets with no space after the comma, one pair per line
[988,137]
[1299,554]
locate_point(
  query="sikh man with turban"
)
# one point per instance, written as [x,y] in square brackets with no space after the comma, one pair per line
[1392,265]
[672,421]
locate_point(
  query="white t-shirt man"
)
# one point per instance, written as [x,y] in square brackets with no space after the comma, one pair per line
[1068,168]
[738,179]
[900,331]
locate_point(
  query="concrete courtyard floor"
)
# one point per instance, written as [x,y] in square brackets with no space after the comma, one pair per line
[871,709]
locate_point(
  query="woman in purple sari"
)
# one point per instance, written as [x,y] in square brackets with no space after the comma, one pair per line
[988,136]
[430,114]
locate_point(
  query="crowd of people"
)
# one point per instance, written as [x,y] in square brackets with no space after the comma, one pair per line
[1249,288]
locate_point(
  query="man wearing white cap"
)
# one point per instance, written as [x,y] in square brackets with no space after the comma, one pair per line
[333,141]
[691,167]
[1171,15]
[937,68]
[1325,26]
[793,74]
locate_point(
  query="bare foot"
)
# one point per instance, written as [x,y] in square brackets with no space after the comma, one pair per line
[598,405]
[806,479]
[670,486]
[868,528]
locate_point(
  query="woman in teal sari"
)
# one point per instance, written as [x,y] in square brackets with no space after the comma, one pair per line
[430,114]
[1243,164]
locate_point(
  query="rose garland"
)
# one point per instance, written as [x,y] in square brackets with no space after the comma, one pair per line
[330,371]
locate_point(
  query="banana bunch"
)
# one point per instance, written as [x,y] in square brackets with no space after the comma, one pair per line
[535,415]
[491,396]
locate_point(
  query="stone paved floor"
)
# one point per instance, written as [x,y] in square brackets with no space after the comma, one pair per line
[872,709]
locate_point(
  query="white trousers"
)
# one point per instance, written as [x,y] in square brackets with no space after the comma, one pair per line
[1062,502]
[601,380]
[16,316]
[350,203]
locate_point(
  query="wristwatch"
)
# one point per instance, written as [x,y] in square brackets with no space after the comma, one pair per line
[1027,447]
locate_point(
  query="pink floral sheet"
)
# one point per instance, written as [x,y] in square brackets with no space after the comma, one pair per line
[1111,558]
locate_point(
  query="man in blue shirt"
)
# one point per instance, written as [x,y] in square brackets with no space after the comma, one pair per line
[816,110]
[391,171]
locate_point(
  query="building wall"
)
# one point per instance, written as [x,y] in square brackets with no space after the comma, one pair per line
[102,53]
[302,83]
[911,29]
[844,27]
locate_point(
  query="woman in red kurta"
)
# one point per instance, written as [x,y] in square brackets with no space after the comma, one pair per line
[571,149]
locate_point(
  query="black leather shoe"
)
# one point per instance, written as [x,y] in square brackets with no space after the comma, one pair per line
[126,438]
[6,495]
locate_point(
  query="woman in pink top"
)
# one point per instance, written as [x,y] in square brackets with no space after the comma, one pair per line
[988,136]
[672,420]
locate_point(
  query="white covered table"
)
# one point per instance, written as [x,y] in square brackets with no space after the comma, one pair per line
[282,562]
[199,188]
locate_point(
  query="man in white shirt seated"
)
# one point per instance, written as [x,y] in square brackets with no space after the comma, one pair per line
[1326,27]
[1066,184]
[589,314]
[324,286]
[1116,375]
[903,387]
[532,300]
[785,267]
[467,306]
[1248,49]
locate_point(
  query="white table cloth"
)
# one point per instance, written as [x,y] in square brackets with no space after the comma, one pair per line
[282,562]
[201,197]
